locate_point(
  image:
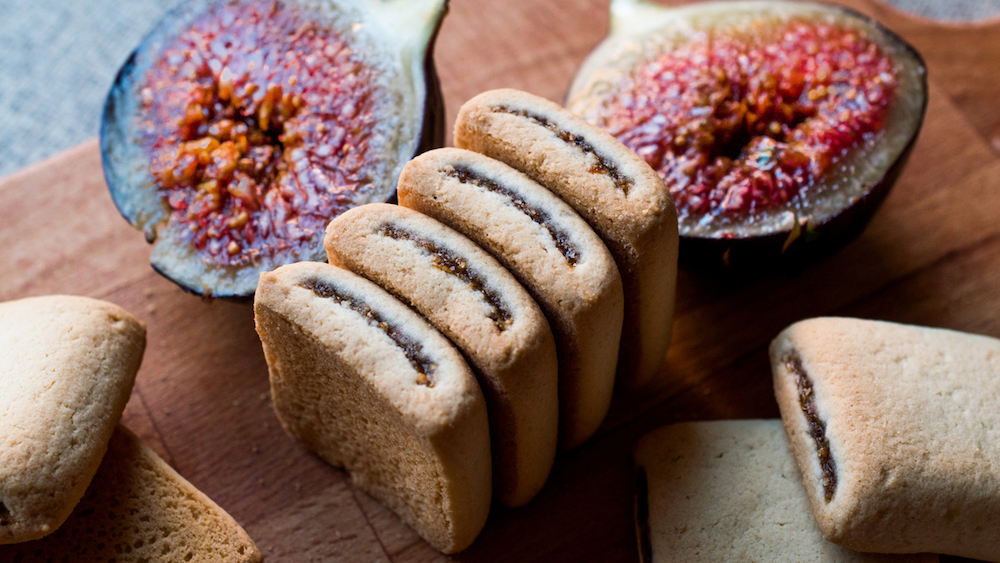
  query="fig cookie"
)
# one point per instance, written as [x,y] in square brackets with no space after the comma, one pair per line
[896,431]
[139,509]
[479,306]
[729,490]
[67,366]
[551,251]
[367,384]
[621,197]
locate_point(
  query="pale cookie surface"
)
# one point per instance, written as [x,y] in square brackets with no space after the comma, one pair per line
[478,305]
[617,192]
[364,381]
[730,491]
[139,510]
[67,366]
[558,258]
[896,429]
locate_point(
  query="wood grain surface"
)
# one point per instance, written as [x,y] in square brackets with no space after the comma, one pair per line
[931,256]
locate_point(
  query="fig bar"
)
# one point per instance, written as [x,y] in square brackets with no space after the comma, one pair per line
[618,194]
[67,366]
[549,249]
[138,509]
[238,129]
[776,125]
[729,491]
[477,304]
[367,384]
[896,430]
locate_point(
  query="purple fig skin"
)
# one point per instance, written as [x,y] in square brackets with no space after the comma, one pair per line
[128,180]
[774,252]
[790,249]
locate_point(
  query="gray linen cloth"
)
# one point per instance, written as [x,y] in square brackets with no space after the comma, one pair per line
[58,58]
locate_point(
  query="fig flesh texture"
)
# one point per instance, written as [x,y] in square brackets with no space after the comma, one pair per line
[239,128]
[779,127]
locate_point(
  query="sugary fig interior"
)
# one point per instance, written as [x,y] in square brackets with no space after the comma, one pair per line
[259,120]
[756,120]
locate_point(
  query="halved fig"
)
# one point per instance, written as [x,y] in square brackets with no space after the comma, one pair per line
[779,127]
[239,128]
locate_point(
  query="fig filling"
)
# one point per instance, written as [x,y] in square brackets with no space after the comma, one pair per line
[740,122]
[258,119]
[604,164]
[817,428]
[560,238]
[457,266]
[410,346]
[4,515]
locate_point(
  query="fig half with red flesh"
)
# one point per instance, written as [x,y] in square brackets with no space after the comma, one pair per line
[779,127]
[239,128]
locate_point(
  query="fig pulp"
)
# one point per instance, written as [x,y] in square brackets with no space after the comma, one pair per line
[239,128]
[779,127]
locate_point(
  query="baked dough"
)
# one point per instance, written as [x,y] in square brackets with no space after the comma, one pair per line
[478,305]
[67,366]
[551,251]
[617,192]
[896,429]
[730,491]
[367,384]
[138,509]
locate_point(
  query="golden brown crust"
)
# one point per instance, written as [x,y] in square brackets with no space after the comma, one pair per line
[479,305]
[551,251]
[368,385]
[613,189]
[139,509]
[67,366]
[910,418]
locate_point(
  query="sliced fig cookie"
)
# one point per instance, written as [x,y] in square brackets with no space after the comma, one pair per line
[620,196]
[67,366]
[729,490]
[237,129]
[779,127]
[479,305]
[551,251]
[139,509]
[896,431]
[367,384]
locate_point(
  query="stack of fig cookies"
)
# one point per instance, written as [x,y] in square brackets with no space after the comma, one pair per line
[74,484]
[456,340]
[890,451]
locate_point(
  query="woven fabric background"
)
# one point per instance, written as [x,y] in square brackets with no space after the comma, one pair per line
[58,58]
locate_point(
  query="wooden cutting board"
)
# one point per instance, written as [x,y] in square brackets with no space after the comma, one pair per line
[931,256]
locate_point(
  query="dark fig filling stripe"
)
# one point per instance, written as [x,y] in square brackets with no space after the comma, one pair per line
[457,266]
[561,239]
[817,428]
[604,164]
[410,346]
